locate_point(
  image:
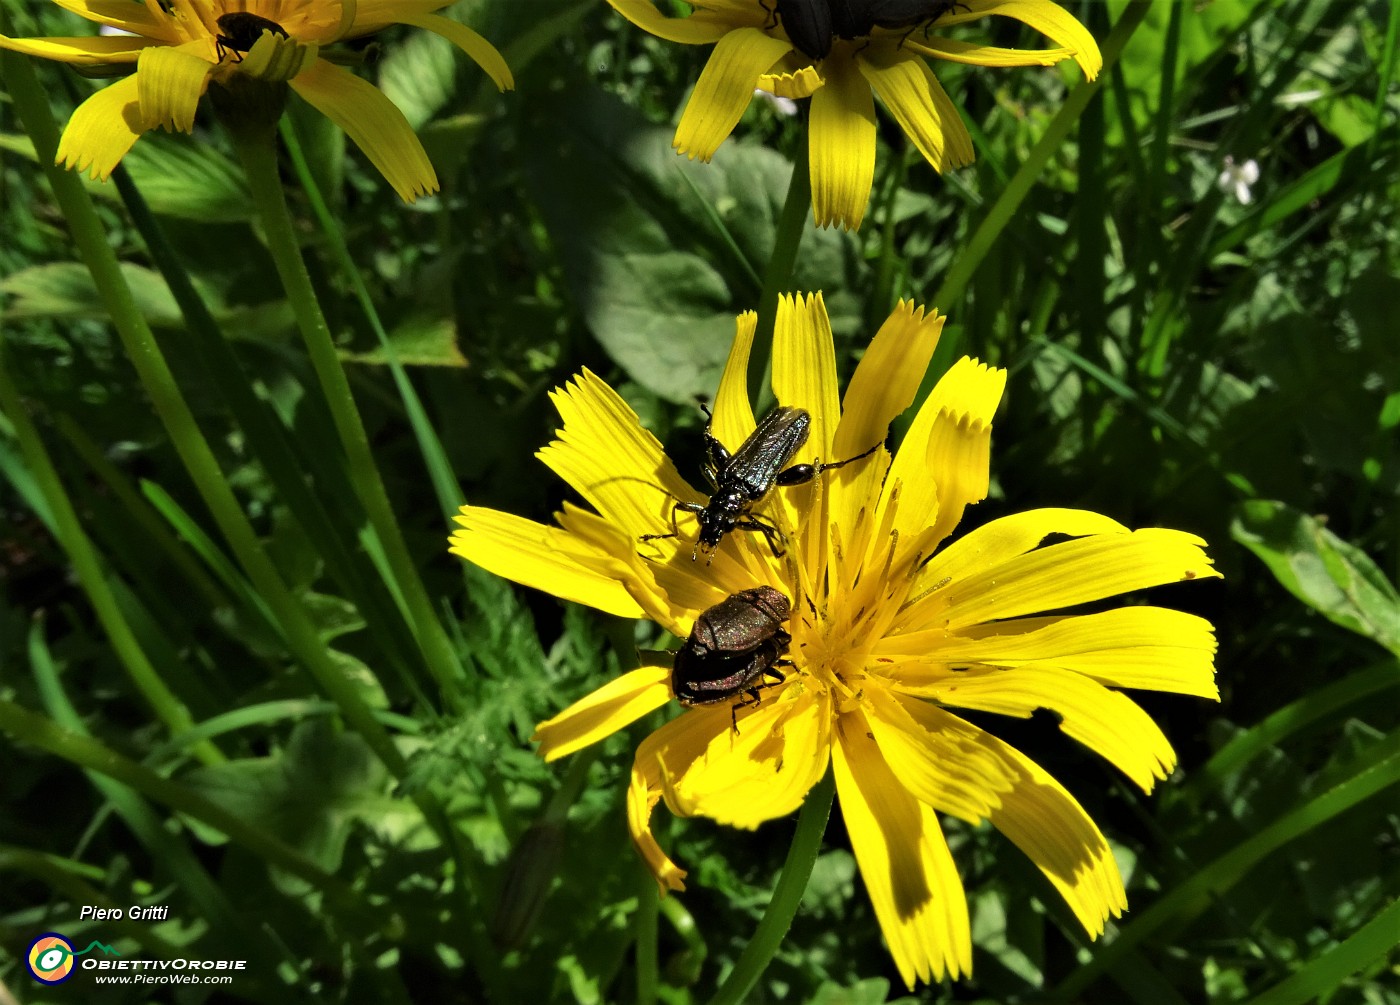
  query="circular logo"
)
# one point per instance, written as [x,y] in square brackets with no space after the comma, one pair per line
[50,958]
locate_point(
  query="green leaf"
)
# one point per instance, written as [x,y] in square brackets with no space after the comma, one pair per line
[1329,575]
[309,794]
[420,340]
[660,252]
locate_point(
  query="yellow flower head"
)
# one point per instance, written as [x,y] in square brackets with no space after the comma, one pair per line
[808,57]
[892,629]
[179,46]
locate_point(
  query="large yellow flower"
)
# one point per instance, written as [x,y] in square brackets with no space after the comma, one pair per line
[754,50]
[891,628]
[178,47]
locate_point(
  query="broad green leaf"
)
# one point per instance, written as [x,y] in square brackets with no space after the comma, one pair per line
[1329,575]
[661,253]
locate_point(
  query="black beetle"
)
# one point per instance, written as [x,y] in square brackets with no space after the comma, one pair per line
[812,24]
[743,478]
[731,646]
[239,31]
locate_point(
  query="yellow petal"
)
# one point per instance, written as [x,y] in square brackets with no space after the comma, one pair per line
[619,467]
[641,800]
[1073,572]
[987,546]
[375,125]
[919,104]
[1107,722]
[546,558]
[482,52]
[691,30]
[615,705]
[277,59]
[102,129]
[1153,648]
[765,770]
[904,861]
[842,144]
[800,83]
[170,82]
[97,50]
[975,54]
[136,18]
[1045,822]
[942,466]
[724,90]
[733,414]
[804,376]
[938,757]
[883,385]
[1058,25]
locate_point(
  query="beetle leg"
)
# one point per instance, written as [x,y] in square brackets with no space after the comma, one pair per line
[772,19]
[800,474]
[688,507]
[768,530]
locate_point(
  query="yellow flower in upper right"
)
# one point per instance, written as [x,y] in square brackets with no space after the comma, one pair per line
[840,53]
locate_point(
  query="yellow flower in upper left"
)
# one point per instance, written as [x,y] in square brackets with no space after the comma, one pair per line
[179,46]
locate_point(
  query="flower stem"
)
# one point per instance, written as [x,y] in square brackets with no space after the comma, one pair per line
[778,276]
[258,153]
[159,383]
[802,855]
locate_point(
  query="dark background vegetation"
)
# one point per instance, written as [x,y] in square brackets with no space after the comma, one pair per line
[1176,358]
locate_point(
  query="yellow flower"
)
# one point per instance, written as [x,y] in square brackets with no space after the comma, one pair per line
[892,629]
[753,50]
[178,47]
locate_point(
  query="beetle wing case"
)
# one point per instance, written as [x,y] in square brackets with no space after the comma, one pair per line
[767,451]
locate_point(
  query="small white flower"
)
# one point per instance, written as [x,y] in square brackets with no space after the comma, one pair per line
[783,106]
[1235,179]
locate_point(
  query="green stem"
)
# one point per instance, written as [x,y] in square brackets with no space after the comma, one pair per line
[256,149]
[69,531]
[175,415]
[802,855]
[449,493]
[776,278]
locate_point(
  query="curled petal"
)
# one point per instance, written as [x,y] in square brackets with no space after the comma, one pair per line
[613,706]
[693,30]
[1058,25]
[170,81]
[919,104]
[641,800]
[724,90]
[800,83]
[98,50]
[482,52]
[373,122]
[883,385]
[102,129]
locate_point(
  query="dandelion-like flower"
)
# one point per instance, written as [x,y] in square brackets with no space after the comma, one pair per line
[892,628]
[753,48]
[179,47]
